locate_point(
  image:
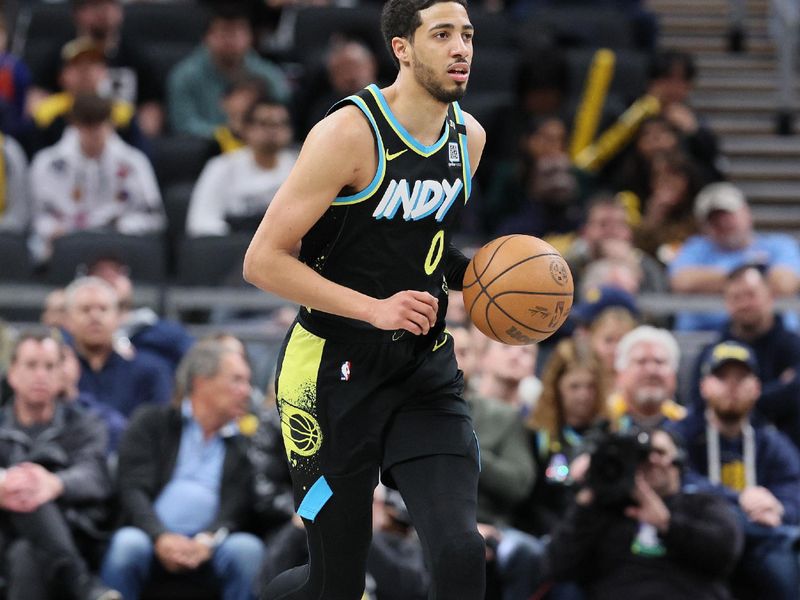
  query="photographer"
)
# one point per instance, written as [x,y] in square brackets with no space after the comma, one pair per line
[664,544]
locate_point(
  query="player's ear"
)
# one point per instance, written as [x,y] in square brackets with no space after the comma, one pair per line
[401,48]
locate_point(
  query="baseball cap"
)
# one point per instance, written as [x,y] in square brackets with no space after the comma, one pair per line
[597,299]
[82,47]
[718,196]
[727,352]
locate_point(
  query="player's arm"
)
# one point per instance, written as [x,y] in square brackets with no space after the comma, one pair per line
[339,152]
[455,263]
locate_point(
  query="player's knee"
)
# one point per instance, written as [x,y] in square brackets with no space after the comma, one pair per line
[460,563]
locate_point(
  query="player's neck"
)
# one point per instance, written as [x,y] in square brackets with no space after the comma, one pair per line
[420,113]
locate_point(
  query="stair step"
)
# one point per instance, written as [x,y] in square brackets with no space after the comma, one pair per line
[705,8]
[759,192]
[709,23]
[771,169]
[696,43]
[781,217]
[711,105]
[734,62]
[759,82]
[743,124]
[761,145]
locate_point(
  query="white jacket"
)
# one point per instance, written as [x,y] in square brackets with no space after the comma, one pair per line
[71,192]
[232,184]
[15,215]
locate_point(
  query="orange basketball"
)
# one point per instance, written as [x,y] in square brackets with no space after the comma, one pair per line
[518,289]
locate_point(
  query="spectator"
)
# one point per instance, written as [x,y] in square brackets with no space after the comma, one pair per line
[757,467]
[539,192]
[141,330]
[186,485]
[727,241]
[235,189]
[541,90]
[667,217]
[15,80]
[606,233]
[395,560]
[654,136]
[750,305]
[350,66]
[667,544]
[122,383]
[196,84]
[507,467]
[647,370]
[671,79]
[68,392]
[574,391]
[132,76]
[55,485]
[84,71]
[55,309]
[92,179]
[15,210]
[602,318]
[237,99]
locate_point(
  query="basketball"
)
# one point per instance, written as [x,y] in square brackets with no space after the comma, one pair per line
[518,290]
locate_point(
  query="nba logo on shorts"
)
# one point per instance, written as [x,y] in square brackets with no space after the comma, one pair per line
[345,371]
[452,153]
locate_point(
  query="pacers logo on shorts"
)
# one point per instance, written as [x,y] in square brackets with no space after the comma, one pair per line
[301,432]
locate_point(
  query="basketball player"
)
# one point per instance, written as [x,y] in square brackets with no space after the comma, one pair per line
[367,381]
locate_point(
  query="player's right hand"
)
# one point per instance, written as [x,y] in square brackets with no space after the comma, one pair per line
[411,310]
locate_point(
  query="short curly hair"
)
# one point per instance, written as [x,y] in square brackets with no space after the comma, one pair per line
[400,18]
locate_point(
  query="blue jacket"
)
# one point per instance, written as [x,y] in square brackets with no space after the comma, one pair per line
[776,351]
[777,460]
[125,384]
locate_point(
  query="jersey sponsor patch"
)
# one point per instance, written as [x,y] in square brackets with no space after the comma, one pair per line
[453,155]
[425,198]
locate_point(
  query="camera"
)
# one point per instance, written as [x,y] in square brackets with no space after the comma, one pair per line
[612,471]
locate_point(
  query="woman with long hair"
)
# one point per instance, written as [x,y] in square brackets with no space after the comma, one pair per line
[573,400]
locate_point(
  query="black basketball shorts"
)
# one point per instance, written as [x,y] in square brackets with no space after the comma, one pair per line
[347,405]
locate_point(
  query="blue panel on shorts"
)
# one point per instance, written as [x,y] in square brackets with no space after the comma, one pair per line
[315,499]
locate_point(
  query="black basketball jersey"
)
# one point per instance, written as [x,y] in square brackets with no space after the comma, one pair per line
[393,235]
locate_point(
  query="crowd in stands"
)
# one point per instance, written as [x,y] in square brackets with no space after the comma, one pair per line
[139,462]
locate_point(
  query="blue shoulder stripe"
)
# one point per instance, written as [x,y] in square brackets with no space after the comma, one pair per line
[462,140]
[381,170]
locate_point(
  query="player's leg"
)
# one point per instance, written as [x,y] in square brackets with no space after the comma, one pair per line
[332,451]
[338,542]
[440,492]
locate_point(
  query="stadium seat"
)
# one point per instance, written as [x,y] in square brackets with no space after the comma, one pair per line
[144,255]
[494,70]
[492,29]
[172,22]
[38,27]
[315,25]
[179,159]
[15,264]
[212,260]
[581,26]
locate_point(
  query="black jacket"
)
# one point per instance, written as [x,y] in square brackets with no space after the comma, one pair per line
[72,446]
[595,547]
[148,453]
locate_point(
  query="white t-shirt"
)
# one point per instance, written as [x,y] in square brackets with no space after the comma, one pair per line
[233,185]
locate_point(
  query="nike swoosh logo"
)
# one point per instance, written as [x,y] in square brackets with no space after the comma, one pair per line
[395,155]
[441,343]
